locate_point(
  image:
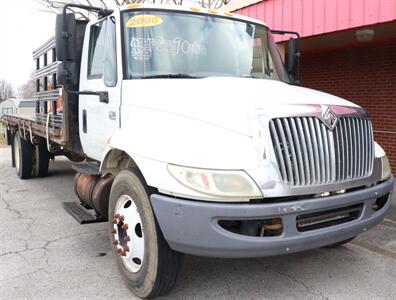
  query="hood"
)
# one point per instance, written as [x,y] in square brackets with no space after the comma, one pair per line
[225,102]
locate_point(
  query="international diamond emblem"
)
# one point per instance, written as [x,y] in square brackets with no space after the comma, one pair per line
[330,118]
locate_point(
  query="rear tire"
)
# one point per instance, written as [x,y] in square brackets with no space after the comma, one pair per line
[339,244]
[150,267]
[12,151]
[8,137]
[23,155]
[41,159]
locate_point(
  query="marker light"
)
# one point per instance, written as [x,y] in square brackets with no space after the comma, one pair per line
[232,184]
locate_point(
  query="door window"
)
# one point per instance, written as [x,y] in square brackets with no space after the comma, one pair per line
[110,65]
[96,50]
[102,58]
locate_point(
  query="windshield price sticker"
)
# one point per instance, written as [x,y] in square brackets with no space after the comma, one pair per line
[143,48]
[144,21]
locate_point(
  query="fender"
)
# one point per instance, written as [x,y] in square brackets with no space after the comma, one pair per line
[180,141]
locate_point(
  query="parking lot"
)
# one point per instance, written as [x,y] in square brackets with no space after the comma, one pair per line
[45,253]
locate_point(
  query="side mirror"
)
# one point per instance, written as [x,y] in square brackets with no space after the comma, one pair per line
[293,59]
[65,36]
[67,74]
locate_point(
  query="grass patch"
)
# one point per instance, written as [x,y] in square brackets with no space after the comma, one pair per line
[2,132]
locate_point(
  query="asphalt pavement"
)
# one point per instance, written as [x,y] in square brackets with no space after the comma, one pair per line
[46,254]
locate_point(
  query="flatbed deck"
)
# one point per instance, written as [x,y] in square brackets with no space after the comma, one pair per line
[36,124]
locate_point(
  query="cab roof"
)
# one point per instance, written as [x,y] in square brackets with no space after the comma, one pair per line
[192,9]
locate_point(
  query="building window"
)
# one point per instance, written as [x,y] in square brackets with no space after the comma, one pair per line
[7,111]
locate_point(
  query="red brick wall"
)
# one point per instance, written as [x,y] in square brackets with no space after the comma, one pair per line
[365,75]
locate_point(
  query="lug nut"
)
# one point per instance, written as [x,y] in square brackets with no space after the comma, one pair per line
[125,226]
[121,218]
[123,253]
[116,216]
[119,250]
[126,249]
[114,221]
[115,242]
[127,238]
[114,231]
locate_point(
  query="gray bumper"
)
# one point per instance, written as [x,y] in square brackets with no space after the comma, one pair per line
[192,226]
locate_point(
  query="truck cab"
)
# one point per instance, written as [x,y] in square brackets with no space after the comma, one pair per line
[127,48]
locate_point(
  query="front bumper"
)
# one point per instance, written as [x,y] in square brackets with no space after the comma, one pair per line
[192,226]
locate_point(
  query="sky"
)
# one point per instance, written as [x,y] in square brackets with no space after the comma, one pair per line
[23,28]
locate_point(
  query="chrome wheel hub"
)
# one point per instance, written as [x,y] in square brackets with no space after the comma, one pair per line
[128,233]
[16,153]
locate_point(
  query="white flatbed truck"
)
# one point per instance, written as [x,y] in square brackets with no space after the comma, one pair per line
[191,136]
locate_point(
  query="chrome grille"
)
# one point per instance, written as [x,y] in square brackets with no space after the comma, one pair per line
[308,153]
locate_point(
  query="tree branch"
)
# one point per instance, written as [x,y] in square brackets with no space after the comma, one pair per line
[55,5]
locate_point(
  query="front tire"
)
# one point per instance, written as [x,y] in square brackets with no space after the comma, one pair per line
[144,258]
[23,157]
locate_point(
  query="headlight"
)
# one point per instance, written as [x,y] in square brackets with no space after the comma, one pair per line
[386,170]
[233,184]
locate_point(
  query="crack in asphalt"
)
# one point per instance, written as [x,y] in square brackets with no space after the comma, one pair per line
[293,278]
[30,222]
[8,205]
[19,215]
[389,223]
[374,248]
[30,235]
[25,274]
[48,242]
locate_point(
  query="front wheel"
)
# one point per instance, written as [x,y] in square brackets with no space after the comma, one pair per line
[145,259]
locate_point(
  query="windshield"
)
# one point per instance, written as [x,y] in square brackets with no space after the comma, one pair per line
[181,45]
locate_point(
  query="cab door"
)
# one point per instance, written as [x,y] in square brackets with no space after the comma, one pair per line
[99,117]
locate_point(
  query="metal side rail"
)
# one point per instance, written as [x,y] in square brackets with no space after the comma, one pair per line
[46,47]
[47,70]
[52,95]
[81,214]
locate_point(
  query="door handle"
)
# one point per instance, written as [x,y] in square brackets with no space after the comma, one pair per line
[84,123]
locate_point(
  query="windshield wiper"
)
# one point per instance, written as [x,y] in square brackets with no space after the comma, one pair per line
[248,76]
[170,76]
[266,76]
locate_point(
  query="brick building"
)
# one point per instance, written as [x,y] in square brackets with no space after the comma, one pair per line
[348,49]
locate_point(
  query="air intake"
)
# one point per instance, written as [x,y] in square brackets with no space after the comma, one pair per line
[309,153]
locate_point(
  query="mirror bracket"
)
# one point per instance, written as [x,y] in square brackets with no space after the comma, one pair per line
[103,95]
[294,55]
